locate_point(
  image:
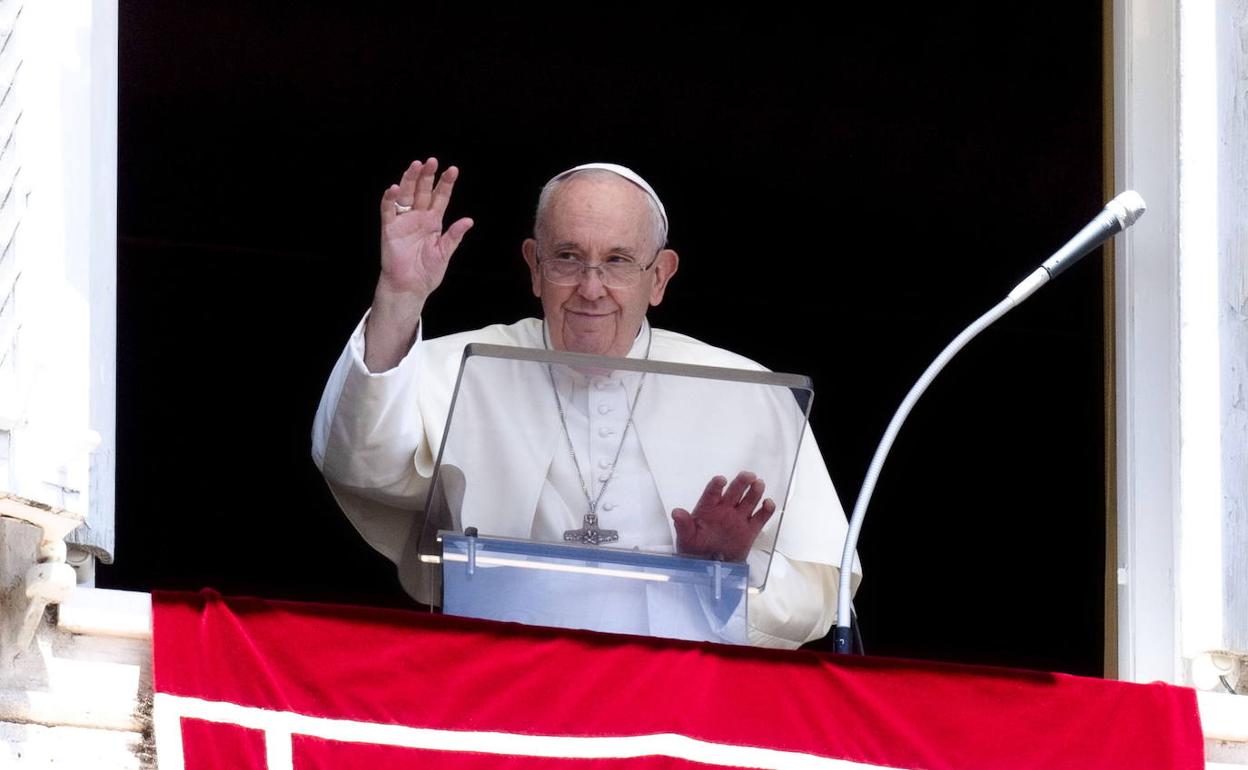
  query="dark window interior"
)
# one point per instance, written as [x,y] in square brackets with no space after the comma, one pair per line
[847,193]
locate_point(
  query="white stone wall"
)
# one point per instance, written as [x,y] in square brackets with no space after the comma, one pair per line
[58,380]
[80,697]
[1181,139]
[1232,42]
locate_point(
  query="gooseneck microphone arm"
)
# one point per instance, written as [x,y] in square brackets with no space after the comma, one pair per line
[1118,215]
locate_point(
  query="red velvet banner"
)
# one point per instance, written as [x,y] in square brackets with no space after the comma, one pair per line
[247,683]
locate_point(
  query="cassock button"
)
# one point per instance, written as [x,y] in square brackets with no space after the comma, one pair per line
[604,409]
[608,506]
[602,384]
[605,432]
[604,463]
[604,478]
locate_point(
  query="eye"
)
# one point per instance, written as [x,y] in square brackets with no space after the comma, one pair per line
[564,256]
[619,259]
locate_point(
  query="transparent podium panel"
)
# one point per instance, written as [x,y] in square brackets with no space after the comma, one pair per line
[601,589]
[571,450]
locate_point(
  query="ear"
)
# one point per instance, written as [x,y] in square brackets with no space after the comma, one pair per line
[529,250]
[665,265]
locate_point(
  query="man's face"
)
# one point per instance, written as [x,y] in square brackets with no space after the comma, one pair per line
[597,220]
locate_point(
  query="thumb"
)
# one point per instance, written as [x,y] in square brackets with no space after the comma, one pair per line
[683,522]
[454,234]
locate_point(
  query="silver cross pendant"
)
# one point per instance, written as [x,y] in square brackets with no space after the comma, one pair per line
[590,533]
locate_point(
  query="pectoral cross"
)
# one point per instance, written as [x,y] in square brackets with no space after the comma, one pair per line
[590,533]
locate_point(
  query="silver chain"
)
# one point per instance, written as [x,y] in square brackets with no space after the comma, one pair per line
[563,420]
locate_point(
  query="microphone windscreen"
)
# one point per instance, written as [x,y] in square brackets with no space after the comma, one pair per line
[1127,207]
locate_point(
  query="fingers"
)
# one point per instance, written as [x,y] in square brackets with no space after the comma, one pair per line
[760,519]
[424,184]
[407,184]
[753,493]
[682,521]
[421,189]
[388,199]
[401,194]
[442,193]
[739,486]
[712,494]
[416,188]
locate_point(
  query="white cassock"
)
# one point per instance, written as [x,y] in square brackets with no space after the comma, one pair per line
[376,437]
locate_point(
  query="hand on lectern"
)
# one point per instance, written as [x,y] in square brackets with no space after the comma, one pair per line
[725,522]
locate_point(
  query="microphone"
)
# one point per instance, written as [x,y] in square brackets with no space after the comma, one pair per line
[1118,215]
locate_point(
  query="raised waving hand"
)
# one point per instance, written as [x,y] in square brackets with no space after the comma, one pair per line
[415,250]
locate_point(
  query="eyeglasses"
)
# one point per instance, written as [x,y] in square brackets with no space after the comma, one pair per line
[564,269]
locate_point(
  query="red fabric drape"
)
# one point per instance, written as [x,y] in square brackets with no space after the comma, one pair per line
[482,685]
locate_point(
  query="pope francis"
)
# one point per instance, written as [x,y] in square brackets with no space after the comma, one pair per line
[597,261]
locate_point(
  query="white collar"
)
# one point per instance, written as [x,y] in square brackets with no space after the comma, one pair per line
[641,342]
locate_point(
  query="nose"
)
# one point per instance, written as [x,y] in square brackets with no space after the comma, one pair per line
[591,286]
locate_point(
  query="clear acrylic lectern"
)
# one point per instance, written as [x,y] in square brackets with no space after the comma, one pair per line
[552,496]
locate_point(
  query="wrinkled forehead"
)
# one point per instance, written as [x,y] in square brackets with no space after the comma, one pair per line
[597,212]
[601,201]
[617,171]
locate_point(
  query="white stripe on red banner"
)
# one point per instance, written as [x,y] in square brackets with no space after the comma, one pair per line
[279,726]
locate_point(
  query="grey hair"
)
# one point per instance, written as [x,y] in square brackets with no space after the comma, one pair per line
[658,226]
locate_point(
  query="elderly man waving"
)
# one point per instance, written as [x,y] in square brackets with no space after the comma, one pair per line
[597,261]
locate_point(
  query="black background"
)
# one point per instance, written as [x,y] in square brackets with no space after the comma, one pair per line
[847,192]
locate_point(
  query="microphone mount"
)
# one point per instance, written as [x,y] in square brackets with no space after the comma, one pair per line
[1119,214]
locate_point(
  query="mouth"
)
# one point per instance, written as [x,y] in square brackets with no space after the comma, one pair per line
[587,314]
